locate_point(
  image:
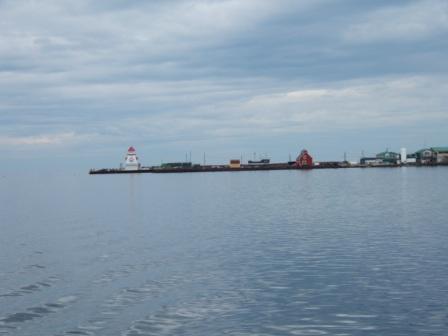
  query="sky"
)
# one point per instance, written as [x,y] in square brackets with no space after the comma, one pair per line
[81,81]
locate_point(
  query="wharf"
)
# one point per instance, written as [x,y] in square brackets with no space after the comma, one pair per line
[242,168]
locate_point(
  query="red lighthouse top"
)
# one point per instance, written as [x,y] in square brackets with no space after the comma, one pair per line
[131,149]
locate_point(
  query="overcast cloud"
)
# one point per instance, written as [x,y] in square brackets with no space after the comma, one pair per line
[227,77]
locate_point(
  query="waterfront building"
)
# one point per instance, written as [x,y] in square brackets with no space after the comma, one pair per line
[432,155]
[304,160]
[235,164]
[425,156]
[384,158]
[259,162]
[441,154]
[411,158]
[131,160]
[388,157]
[370,161]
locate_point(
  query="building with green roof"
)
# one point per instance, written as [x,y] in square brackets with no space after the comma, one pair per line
[388,157]
[432,155]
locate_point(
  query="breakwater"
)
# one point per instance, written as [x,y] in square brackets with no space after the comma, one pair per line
[226,168]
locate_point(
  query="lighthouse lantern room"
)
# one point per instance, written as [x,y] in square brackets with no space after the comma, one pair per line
[131,160]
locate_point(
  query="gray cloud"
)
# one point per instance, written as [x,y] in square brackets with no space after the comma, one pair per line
[180,71]
[413,21]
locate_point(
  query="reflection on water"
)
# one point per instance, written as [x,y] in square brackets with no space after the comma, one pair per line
[331,252]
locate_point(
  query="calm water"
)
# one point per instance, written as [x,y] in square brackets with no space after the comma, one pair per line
[331,252]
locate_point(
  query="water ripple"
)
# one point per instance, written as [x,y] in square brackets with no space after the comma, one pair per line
[12,321]
[31,288]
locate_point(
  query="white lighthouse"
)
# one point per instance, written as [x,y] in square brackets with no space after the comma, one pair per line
[131,160]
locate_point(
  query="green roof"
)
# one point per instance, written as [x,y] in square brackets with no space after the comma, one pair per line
[388,155]
[440,149]
[434,149]
[422,150]
[387,152]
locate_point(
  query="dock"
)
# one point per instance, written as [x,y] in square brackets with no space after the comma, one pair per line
[242,168]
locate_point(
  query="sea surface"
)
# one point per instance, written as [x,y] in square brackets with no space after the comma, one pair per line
[322,252]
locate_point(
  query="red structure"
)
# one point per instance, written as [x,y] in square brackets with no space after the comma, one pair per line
[304,160]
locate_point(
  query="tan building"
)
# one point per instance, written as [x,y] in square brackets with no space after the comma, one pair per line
[441,154]
[235,164]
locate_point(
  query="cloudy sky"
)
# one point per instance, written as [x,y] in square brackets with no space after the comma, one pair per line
[82,80]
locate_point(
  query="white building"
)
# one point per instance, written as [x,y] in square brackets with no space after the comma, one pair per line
[131,160]
[403,156]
